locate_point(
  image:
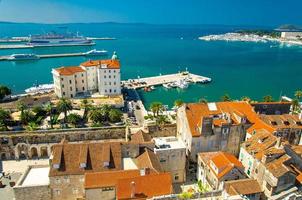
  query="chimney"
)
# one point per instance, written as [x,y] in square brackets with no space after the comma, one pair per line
[132,185]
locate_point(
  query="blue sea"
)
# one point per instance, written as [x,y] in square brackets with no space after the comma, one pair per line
[237,68]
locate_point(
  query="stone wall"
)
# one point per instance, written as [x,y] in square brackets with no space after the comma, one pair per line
[14,145]
[32,193]
[165,131]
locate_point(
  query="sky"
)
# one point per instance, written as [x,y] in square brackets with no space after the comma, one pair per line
[227,12]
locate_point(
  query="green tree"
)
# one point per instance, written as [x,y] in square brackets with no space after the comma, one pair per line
[161,120]
[104,110]
[21,106]
[4,91]
[298,94]
[26,117]
[201,187]
[295,105]
[49,110]
[4,119]
[226,97]
[268,98]
[246,98]
[39,111]
[115,115]
[64,105]
[203,100]
[96,116]
[86,105]
[186,195]
[32,126]
[156,108]
[178,103]
[74,119]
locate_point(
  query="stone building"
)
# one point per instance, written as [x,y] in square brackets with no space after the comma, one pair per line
[172,155]
[101,76]
[71,161]
[275,165]
[214,168]
[33,184]
[242,189]
[221,126]
[288,127]
[126,184]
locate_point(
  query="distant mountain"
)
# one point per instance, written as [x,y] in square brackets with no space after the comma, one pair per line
[289,27]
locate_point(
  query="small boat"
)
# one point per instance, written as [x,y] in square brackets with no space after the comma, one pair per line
[152,88]
[95,52]
[23,57]
[44,88]
[173,85]
[182,84]
[166,85]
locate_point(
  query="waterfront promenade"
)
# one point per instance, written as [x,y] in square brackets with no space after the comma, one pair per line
[7,58]
[164,79]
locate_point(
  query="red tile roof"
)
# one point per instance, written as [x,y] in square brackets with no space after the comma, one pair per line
[111,64]
[225,162]
[149,160]
[242,187]
[68,71]
[145,186]
[196,111]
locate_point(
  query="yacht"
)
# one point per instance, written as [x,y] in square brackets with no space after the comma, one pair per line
[167,85]
[44,88]
[182,84]
[95,52]
[54,39]
[23,57]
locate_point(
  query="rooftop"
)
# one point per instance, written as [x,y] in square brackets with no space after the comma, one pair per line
[145,186]
[80,158]
[68,71]
[282,121]
[140,137]
[108,64]
[149,160]
[36,176]
[225,162]
[164,143]
[222,112]
[242,187]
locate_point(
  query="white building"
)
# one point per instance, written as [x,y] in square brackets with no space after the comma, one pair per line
[172,156]
[291,35]
[101,76]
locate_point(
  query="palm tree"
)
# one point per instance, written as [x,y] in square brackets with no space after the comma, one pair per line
[95,115]
[26,117]
[298,94]
[4,118]
[115,115]
[74,119]
[226,97]
[4,91]
[48,108]
[295,104]
[268,98]
[64,105]
[246,98]
[21,106]
[161,120]
[203,100]
[178,103]
[156,108]
[32,126]
[86,105]
[104,110]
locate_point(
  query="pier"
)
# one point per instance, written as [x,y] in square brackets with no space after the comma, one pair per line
[6,58]
[25,46]
[164,79]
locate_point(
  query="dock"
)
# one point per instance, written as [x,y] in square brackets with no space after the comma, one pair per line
[164,79]
[25,46]
[6,58]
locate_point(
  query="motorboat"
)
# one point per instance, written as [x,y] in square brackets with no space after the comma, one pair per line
[95,52]
[23,57]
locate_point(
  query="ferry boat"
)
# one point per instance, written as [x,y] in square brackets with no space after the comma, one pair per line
[54,39]
[95,52]
[44,88]
[23,57]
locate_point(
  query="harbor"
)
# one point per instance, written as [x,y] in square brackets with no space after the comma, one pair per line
[180,80]
[28,46]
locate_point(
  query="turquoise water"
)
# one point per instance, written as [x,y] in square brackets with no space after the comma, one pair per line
[239,69]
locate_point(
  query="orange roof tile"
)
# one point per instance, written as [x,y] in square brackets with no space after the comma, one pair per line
[149,160]
[196,111]
[107,178]
[111,64]
[242,187]
[225,162]
[145,186]
[68,71]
